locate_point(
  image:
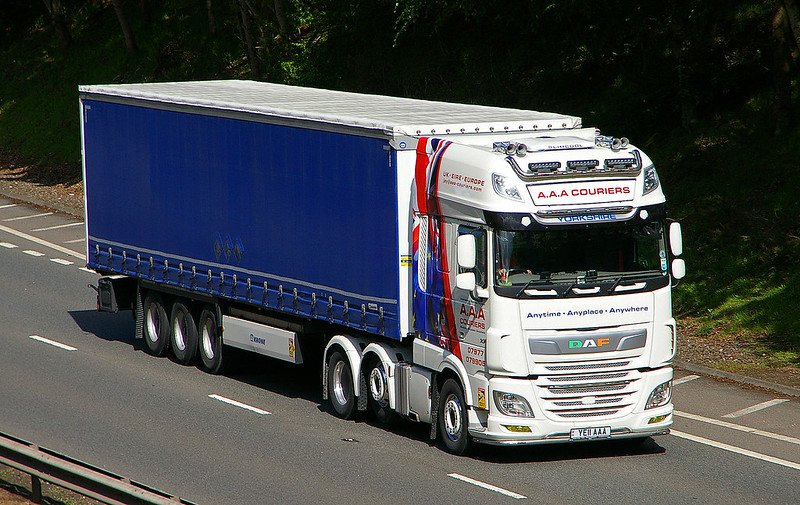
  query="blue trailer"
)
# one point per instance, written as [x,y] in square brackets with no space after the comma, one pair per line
[267,217]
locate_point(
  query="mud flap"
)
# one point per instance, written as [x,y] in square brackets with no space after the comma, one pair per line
[434,405]
[139,315]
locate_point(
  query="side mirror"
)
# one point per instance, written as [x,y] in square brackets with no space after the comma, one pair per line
[678,268]
[675,239]
[466,252]
[466,281]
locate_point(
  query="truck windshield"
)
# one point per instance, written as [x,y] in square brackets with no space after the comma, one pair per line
[580,255]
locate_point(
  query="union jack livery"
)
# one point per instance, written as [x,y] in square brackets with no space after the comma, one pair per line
[503,275]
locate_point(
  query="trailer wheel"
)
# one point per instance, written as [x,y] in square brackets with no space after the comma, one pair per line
[156,324]
[453,418]
[378,397]
[340,386]
[184,333]
[210,341]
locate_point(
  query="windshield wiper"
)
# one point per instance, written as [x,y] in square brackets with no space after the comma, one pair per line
[532,282]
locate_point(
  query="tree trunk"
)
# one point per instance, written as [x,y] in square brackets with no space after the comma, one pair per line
[130,42]
[280,15]
[56,11]
[252,56]
[781,69]
[212,22]
[144,6]
[793,12]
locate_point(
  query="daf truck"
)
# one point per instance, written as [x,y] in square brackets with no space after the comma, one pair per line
[504,275]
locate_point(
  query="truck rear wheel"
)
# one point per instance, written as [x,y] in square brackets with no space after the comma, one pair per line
[340,386]
[453,420]
[184,333]
[156,324]
[210,341]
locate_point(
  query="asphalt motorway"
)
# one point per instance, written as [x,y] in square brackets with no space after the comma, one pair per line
[75,381]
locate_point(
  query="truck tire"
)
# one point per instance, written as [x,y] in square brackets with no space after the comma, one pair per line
[378,394]
[340,386]
[156,325]
[184,333]
[210,346]
[453,420]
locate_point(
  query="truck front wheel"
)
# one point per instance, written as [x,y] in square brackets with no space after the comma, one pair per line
[210,341]
[453,419]
[156,324]
[340,386]
[378,397]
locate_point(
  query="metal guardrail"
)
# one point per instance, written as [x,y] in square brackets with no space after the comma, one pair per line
[43,464]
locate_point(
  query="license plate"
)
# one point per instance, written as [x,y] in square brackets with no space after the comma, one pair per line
[590,433]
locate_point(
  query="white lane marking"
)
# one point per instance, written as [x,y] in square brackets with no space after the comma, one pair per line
[33,253]
[487,486]
[8,246]
[61,262]
[87,270]
[739,427]
[57,227]
[684,380]
[737,450]
[240,405]
[53,343]
[31,216]
[8,206]
[37,240]
[74,241]
[755,408]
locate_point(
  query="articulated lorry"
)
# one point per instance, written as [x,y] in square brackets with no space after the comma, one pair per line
[501,274]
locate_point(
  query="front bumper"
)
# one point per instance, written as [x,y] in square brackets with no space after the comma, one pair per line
[550,425]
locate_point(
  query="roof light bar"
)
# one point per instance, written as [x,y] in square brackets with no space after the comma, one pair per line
[582,165]
[544,167]
[620,163]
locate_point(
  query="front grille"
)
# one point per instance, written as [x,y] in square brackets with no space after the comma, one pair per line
[582,389]
[595,413]
[587,395]
[578,403]
[587,366]
[606,376]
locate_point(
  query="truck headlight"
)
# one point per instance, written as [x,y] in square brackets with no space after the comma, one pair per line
[660,396]
[650,180]
[505,188]
[512,405]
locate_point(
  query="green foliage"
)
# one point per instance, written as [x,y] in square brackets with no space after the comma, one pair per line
[634,68]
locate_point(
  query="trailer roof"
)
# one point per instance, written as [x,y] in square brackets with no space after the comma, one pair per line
[388,115]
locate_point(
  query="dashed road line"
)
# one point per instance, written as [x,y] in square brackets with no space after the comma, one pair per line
[62,261]
[53,343]
[31,252]
[684,380]
[8,246]
[755,408]
[737,450]
[738,427]
[37,240]
[77,240]
[57,227]
[490,487]
[30,216]
[240,405]
[8,206]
